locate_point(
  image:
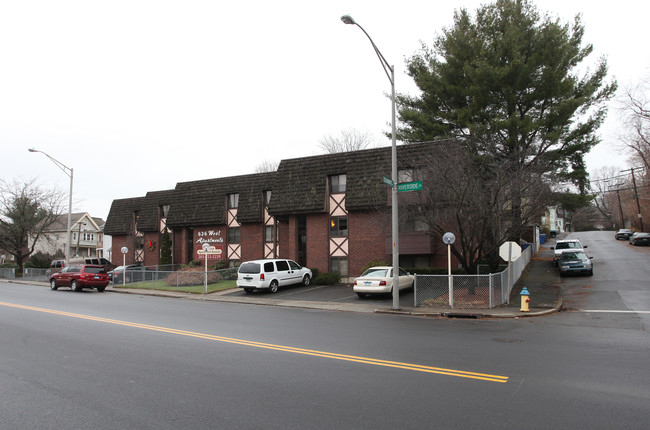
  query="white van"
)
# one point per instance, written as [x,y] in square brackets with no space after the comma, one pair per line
[271,274]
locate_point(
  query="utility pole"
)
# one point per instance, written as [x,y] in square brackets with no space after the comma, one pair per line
[636,197]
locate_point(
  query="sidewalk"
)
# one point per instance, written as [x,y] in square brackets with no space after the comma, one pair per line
[540,278]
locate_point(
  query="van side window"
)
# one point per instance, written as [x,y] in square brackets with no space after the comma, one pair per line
[294,265]
[268,267]
[282,266]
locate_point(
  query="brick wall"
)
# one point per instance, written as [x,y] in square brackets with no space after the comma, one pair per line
[318,242]
[366,235]
[252,242]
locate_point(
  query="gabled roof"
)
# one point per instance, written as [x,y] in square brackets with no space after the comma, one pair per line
[120,217]
[149,212]
[301,183]
[202,203]
[60,224]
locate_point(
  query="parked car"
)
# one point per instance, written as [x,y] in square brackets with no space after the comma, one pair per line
[623,233]
[565,245]
[379,280]
[640,239]
[134,273]
[271,274]
[56,266]
[575,261]
[81,276]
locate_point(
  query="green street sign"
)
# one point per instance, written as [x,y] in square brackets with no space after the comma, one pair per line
[410,186]
[389,182]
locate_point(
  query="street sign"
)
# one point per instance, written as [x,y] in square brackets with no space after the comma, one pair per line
[410,186]
[389,182]
[510,251]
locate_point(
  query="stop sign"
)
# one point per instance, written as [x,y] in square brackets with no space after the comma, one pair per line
[510,251]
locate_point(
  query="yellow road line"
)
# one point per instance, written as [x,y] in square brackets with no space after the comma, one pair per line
[315,353]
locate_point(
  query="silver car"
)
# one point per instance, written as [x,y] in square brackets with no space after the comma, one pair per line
[271,274]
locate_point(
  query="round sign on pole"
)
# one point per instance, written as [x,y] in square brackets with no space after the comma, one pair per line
[448,238]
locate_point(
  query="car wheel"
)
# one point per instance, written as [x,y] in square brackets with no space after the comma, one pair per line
[101,289]
[306,280]
[361,295]
[53,284]
[248,290]
[591,273]
[273,288]
[74,286]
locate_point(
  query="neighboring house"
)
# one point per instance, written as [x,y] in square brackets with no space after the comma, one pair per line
[553,219]
[87,236]
[327,212]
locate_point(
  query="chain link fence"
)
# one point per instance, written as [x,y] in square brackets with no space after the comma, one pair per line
[469,291]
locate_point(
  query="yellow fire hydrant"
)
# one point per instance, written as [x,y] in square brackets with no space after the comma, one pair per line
[525,300]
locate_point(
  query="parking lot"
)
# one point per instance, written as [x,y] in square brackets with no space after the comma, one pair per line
[326,293]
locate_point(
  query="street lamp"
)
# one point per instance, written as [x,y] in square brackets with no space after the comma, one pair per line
[390,73]
[68,171]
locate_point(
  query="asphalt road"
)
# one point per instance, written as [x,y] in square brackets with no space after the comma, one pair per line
[107,361]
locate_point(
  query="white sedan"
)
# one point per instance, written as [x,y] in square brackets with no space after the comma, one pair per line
[379,280]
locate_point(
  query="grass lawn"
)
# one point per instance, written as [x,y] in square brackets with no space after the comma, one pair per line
[161,285]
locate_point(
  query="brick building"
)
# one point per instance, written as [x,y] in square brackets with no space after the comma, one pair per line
[328,212]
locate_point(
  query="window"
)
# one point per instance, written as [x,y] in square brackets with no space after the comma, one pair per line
[234,235]
[267,197]
[268,267]
[337,184]
[164,210]
[339,265]
[282,266]
[268,233]
[339,226]
[88,237]
[233,201]
[405,175]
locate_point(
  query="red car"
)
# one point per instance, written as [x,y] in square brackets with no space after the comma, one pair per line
[78,277]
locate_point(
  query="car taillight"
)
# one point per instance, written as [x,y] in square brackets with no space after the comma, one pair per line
[381,283]
[262,277]
[355,282]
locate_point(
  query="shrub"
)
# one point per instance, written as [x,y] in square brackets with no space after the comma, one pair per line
[190,276]
[375,263]
[327,278]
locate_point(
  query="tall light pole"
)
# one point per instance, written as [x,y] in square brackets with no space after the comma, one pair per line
[68,171]
[390,73]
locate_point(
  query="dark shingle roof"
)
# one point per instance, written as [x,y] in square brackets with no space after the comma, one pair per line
[301,183]
[200,203]
[120,216]
[149,214]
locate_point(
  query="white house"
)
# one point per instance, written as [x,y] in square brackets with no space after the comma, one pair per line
[87,236]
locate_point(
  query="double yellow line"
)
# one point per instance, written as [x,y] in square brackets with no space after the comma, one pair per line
[314,353]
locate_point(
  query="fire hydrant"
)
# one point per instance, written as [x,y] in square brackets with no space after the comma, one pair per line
[525,300]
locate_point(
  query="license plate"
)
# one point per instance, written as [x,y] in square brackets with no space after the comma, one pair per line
[96,277]
[367,283]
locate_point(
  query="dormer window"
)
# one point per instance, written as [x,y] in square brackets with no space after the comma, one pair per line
[233,201]
[337,184]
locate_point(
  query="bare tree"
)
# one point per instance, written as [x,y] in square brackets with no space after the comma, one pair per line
[26,212]
[266,166]
[483,202]
[348,140]
[635,107]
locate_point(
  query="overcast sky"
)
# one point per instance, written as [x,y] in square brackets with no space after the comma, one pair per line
[138,95]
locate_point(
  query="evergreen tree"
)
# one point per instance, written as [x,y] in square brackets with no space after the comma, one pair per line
[165,248]
[506,83]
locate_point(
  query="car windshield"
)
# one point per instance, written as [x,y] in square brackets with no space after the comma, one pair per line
[249,268]
[570,255]
[374,272]
[568,245]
